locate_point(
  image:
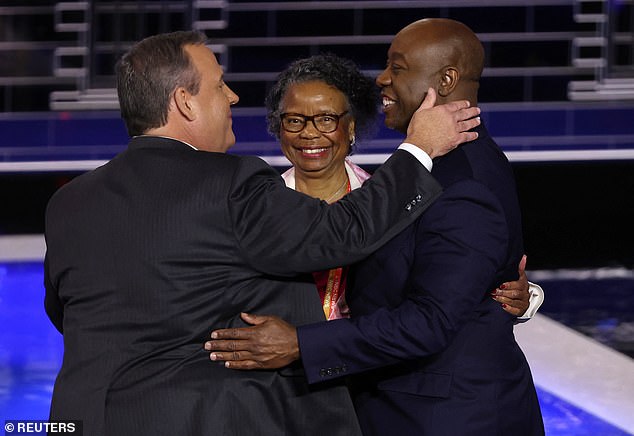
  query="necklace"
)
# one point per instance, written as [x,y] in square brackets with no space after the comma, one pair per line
[338,191]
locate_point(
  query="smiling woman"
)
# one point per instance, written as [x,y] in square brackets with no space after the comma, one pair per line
[316,109]
[317,130]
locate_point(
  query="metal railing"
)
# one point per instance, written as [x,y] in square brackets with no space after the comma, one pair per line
[591,51]
[610,51]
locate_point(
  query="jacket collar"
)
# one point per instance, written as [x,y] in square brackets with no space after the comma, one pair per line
[150,141]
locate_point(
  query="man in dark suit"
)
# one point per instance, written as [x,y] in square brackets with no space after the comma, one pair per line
[436,354]
[172,238]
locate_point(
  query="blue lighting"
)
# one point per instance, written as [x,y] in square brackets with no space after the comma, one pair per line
[31,354]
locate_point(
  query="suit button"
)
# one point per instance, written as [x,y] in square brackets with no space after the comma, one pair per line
[344,368]
[322,372]
[419,198]
[329,371]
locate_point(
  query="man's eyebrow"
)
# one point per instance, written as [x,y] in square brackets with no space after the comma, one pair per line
[397,55]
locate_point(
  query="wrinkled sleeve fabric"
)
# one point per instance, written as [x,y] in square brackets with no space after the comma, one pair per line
[461,243]
[283,232]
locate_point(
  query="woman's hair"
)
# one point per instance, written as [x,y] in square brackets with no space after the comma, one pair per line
[360,91]
[149,73]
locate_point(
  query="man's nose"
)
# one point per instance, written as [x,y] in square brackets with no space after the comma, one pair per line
[232,96]
[383,79]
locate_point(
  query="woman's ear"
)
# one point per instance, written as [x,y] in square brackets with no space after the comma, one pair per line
[351,135]
[448,81]
[184,103]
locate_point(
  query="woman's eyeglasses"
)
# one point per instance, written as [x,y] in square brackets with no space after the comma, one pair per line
[325,123]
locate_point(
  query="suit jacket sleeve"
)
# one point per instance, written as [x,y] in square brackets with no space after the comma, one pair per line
[283,232]
[461,243]
[52,304]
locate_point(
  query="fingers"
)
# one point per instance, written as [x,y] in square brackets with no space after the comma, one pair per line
[510,294]
[439,129]
[467,124]
[219,345]
[247,357]
[429,101]
[236,360]
[522,265]
[513,310]
[512,300]
[243,332]
[466,117]
[235,333]
[220,356]
[231,356]
[254,319]
[244,364]
[269,343]
[520,285]
[464,137]
[458,105]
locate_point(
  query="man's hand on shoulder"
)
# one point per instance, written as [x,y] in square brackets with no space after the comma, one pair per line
[269,343]
[439,129]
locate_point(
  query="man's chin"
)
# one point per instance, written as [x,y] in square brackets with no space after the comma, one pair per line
[389,122]
[395,125]
[231,141]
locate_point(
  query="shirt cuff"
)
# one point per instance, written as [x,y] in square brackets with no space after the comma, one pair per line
[419,154]
[535,299]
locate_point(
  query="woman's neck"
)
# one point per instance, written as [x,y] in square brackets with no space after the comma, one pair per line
[328,187]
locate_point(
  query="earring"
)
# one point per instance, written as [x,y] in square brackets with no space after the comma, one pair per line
[353,141]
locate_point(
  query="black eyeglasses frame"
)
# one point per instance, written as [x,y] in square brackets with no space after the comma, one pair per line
[311,118]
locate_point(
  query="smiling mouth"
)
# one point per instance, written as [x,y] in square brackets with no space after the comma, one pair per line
[312,150]
[387,102]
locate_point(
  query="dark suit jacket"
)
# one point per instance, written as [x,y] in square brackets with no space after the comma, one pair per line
[422,312]
[149,253]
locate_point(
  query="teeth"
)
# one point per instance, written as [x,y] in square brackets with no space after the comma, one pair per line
[388,102]
[313,150]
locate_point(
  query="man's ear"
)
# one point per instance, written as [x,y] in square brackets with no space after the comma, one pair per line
[448,81]
[184,104]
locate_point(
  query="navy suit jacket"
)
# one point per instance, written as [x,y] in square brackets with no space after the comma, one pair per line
[437,353]
[149,253]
